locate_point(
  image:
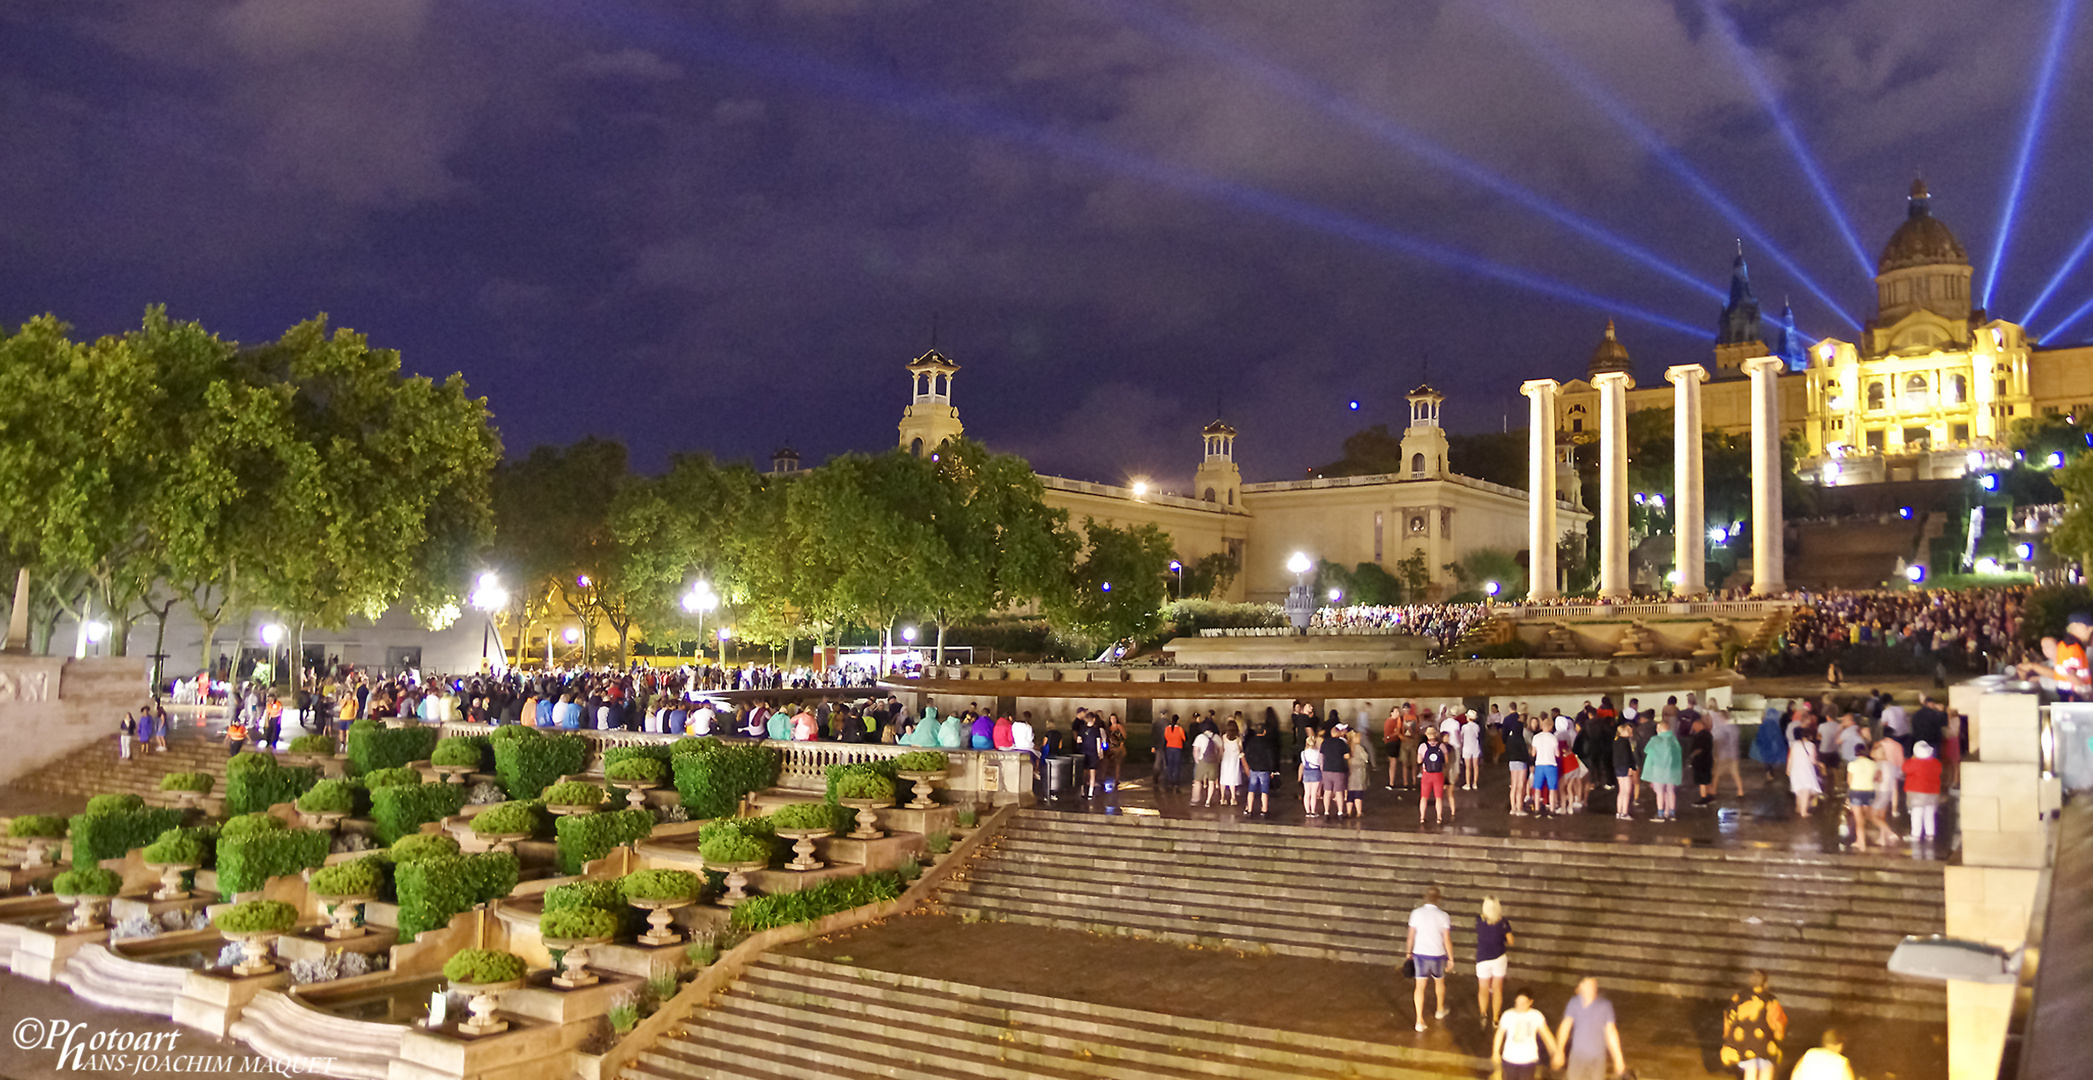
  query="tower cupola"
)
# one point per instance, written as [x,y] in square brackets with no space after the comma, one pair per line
[930,418]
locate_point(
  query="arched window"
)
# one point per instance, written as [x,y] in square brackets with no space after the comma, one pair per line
[1209,494]
[1417,464]
[1231,496]
[1958,389]
[1915,386]
[1875,395]
[915,447]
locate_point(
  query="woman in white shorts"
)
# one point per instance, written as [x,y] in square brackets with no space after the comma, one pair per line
[1493,944]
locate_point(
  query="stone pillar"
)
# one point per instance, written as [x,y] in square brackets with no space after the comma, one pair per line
[1768,562]
[1540,489]
[1613,482]
[1689,504]
[18,619]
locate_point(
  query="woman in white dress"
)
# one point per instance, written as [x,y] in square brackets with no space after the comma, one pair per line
[1802,771]
[1231,763]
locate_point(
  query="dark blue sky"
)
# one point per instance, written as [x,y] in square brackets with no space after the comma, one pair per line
[727,225]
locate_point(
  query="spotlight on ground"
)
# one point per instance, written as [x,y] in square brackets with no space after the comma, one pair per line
[2045,75]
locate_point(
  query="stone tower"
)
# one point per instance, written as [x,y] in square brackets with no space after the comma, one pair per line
[931,418]
[1218,479]
[1738,336]
[1424,443]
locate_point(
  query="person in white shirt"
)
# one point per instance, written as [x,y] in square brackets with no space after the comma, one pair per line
[1521,1032]
[1895,720]
[1547,779]
[701,720]
[1450,737]
[1429,944]
[1021,737]
[1471,752]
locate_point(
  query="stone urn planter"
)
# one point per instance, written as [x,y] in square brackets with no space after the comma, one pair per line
[305,757]
[635,790]
[323,820]
[574,959]
[396,722]
[453,774]
[868,817]
[501,841]
[87,913]
[255,958]
[803,847]
[924,782]
[660,930]
[171,880]
[737,882]
[484,999]
[39,853]
[343,911]
[571,811]
[187,800]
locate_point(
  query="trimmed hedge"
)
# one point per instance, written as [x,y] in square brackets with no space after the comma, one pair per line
[808,815]
[689,744]
[526,767]
[111,835]
[199,782]
[661,752]
[574,793]
[385,778]
[864,780]
[333,796]
[363,877]
[459,750]
[733,847]
[37,827]
[712,776]
[414,847]
[373,746]
[475,966]
[402,811]
[584,838]
[88,881]
[254,782]
[923,761]
[828,898]
[111,804]
[247,863]
[175,846]
[592,893]
[433,891]
[255,917]
[246,825]
[659,885]
[527,818]
[511,733]
[313,744]
[575,923]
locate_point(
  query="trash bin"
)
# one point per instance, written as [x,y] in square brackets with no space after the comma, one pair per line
[1060,776]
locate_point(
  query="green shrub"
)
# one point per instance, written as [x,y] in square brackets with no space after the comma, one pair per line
[205,837]
[938,843]
[592,893]
[313,744]
[827,898]
[433,891]
[88,881]
[873,780]
[334,796]
[115,804]
[587,837]
[575,923]
[922,761]
[909,871]
[247,863]
[199,782]
[734,848]
[363,877]
[803,815]
[511,733]
[402,811]
[509,817]
[256,917]
[639,770]
[457,750]
[967,817]
[246,825]
[177,847]
[260,783]
[712,776]
[373,746]
[574,793]
[414,847]
[385,778]
[37,827]
[526,767]
[661,752]
[689,744]
[474,967]
[659,885]
[111,835]
[702,953]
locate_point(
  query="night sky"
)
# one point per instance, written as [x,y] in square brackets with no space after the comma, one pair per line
[726,225]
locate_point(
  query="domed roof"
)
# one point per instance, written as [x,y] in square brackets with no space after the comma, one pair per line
[1611,355]
[1923,240]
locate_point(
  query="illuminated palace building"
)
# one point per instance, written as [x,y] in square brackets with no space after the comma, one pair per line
[1931,389]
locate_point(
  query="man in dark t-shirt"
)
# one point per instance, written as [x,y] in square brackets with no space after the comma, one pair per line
[1434,759]
[1929,724]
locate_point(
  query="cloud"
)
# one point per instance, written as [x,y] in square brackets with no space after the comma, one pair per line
[638,65]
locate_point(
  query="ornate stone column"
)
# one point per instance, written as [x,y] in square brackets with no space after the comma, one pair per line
[1768,562]
[1689,504]
[1613,482]
[1540,489]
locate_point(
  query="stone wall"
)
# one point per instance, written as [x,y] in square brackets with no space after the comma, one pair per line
[51,706]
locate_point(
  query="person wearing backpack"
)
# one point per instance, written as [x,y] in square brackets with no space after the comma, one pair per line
[1206,766]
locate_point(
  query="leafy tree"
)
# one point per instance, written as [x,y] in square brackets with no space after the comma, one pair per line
[1484,565]
[553,513]
[1208,576]
[864,530]
[674,529]
[1002,544]
[1117,590]
[1415,574]
[2073,536]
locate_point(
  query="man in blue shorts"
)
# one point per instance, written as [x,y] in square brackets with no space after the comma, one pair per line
[1546,774]
[1430,946]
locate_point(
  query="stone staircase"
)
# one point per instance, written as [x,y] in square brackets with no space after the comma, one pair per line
[95,769]
[1657,919]
[799,1017]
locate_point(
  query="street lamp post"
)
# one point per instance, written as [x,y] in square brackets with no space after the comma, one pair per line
[1300,606]
[1178,568]
[698,601]
[272,636]
[488,597]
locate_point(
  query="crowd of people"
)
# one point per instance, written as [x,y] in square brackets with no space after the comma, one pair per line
[1972,630]
[1443,623]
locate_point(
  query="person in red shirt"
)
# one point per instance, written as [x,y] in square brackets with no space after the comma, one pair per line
[1922,790]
